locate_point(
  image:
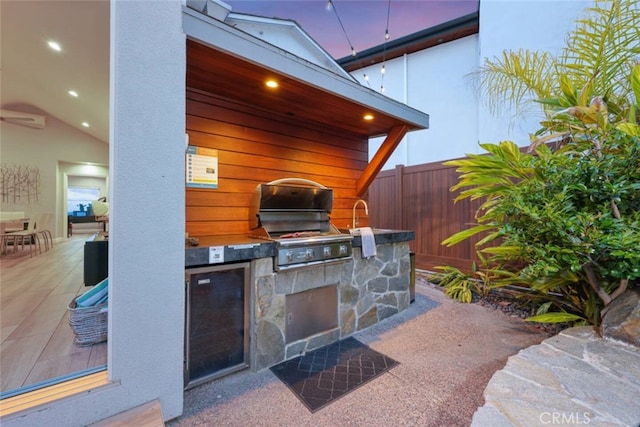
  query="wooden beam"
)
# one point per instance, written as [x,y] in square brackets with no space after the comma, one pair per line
[380,158]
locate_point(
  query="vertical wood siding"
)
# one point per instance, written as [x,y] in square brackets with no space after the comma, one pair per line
[419,198]
[255,147]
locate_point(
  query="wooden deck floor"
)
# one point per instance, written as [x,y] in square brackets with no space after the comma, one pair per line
[36,342]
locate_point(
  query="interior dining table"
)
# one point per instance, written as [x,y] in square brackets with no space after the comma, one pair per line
[6,227]
[16,224]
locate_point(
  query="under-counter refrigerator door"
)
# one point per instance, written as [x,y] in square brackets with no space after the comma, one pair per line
[217,336]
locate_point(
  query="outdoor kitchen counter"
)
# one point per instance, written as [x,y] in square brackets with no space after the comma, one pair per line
[387,236]
[234,248]
[244,248]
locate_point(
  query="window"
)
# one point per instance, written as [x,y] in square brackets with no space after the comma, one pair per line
[79,200]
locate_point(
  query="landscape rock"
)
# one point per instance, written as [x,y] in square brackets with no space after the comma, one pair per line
[575,377]
[622,321]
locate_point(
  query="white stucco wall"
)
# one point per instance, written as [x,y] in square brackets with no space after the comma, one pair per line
[146,251]
[432,81]
[435,80]
[146,220]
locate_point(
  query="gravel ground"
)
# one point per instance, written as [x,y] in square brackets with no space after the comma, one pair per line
[505,302]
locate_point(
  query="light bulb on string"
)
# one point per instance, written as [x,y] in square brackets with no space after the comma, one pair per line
[329,6]
[335,10]
[366,79]
[384,50]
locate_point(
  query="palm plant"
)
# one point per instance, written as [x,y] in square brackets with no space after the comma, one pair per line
[598,55]
[564,218]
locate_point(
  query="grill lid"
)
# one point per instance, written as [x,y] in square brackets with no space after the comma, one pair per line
[294,198]
[283,207]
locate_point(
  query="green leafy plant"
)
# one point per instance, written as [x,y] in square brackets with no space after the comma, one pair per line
[457,285]
[564,218]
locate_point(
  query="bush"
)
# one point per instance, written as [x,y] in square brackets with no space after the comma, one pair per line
[566,213]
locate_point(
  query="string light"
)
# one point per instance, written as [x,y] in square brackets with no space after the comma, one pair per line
[384,48]
[331,5]
[366,79]
[386,30]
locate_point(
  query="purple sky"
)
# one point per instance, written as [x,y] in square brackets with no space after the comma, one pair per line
[364,20]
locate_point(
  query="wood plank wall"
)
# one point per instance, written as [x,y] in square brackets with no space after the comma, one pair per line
[255,147]
[418,198]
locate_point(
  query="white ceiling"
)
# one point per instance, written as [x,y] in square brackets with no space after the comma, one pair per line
[33,77]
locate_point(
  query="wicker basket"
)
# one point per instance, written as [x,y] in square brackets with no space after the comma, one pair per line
[89,324]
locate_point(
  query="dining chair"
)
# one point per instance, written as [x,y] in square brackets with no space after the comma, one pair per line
[44,221]
[30,236]
[7,236]
[4,240]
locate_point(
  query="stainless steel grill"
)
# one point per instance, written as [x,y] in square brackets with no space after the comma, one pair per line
[295,214]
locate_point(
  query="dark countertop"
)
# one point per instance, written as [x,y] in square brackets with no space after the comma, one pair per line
[236,248]
[384,236]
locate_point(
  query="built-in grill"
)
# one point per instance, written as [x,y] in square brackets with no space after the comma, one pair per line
[295,214]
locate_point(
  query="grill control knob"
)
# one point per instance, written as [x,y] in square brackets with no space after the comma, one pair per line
[308,255]
[327,251]
[343,250]
[288,256]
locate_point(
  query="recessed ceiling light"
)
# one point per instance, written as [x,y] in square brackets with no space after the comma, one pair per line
[85,124]
[73,93]
[272,84]
[54,45]
[368,117]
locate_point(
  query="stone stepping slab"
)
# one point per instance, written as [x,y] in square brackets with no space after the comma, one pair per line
[575,377]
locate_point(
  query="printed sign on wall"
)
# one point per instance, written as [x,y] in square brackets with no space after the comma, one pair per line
[202,167]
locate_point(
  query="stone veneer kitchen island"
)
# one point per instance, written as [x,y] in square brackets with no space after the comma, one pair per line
[368,290]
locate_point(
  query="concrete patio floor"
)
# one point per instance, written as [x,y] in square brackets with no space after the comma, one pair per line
[448,352]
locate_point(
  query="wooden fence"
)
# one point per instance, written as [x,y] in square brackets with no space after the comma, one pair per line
[419,198]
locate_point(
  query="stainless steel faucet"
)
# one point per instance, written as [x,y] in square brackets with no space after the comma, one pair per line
[354,222]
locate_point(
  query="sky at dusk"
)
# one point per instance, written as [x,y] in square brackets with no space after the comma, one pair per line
[364,21]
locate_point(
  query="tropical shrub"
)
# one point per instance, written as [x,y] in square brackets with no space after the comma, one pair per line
[564,218]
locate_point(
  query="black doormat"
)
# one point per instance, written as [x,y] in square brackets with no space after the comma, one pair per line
[328,373]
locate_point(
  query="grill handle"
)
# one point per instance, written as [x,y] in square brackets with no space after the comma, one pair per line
[296,180]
